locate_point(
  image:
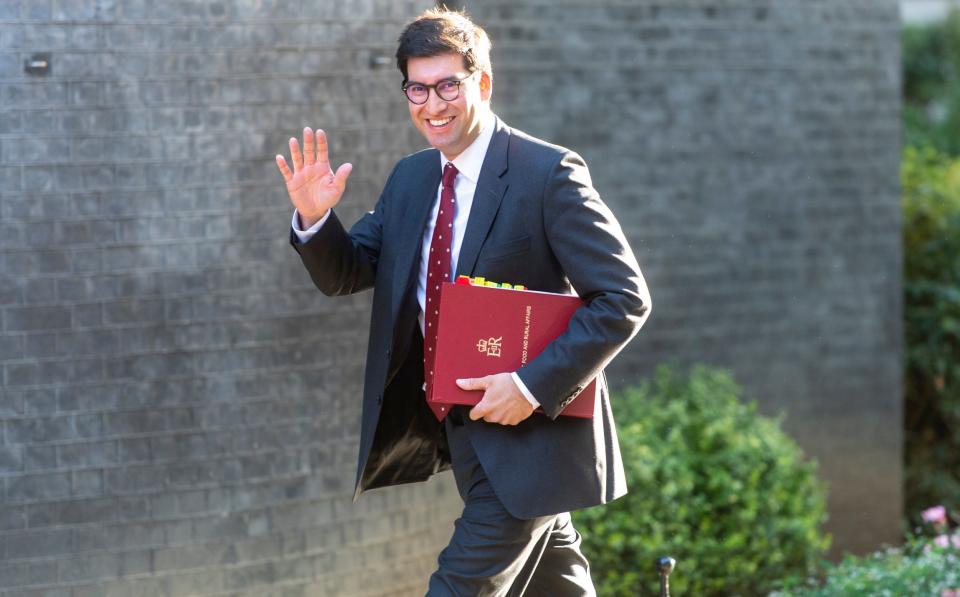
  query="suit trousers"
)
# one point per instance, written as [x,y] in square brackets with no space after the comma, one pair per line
[492,553]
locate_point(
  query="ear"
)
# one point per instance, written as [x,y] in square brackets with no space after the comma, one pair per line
[486,86]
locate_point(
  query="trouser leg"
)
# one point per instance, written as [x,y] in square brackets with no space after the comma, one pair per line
[562,569]
[492,553]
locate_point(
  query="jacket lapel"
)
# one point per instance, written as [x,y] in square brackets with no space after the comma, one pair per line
[491,187]
[417,202]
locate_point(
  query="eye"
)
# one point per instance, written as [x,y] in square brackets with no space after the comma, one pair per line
[446,86]
[417,88]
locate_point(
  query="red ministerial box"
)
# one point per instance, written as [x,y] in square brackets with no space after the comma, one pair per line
[484,330]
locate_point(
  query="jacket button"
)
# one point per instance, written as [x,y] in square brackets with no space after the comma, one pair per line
[380,399]
[389,352]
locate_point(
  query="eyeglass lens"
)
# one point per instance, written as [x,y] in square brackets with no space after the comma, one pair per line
[447,90]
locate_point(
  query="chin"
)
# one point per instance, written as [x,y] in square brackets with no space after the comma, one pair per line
[444,145]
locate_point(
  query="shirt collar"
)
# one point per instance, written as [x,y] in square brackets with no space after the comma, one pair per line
[470,160]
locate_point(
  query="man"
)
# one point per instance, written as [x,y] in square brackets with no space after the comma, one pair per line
[486,200]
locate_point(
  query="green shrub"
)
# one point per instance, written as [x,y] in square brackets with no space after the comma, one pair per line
[712,483]
[930,180]
[893,572]
[931,84]
[931,236]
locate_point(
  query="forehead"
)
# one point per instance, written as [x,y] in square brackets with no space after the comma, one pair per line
[434,68]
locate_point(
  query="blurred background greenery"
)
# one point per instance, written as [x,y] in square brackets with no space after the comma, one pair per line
[930,177]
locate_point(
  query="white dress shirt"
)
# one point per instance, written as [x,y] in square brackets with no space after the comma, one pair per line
[468,164]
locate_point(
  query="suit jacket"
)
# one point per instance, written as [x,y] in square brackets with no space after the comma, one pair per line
[536,220]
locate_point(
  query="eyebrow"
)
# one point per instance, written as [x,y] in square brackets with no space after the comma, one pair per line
[448,78]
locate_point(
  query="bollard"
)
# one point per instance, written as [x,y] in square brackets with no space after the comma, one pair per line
[665,566]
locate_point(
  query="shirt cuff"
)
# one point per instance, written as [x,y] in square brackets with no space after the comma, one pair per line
[305,235]
[523,390]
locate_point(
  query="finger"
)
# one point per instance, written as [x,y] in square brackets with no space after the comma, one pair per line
[479,411]
[284,169]
[343,173]
[295,155]
[309,149]
[323,157]
[478,383]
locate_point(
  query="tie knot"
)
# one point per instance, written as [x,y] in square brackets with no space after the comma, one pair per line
[449,174]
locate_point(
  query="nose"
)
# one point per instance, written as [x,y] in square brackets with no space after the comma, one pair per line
[434,102]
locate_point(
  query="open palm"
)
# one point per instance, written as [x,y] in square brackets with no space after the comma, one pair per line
[313,186]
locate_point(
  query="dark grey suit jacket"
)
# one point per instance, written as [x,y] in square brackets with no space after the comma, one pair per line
[536,220]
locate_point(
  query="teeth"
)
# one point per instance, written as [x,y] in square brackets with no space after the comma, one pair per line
[439,122]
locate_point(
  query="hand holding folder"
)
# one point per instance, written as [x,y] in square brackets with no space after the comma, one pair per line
[501,400]
[485,330]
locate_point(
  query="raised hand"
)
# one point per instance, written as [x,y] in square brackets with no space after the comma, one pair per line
[313,185]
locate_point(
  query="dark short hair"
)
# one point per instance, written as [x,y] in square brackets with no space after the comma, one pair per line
[443,31]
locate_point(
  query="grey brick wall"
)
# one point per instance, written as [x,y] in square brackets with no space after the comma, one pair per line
[179,405]
[751,151]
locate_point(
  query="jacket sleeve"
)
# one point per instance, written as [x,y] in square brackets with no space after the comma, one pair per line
[591,248]
[340,262]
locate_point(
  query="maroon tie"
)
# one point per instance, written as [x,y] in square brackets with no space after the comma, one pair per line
[438,272]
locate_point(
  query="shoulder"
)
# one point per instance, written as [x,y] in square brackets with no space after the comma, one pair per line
[543,163]
[534,152]
[423,157]
[528,142]
[419,161]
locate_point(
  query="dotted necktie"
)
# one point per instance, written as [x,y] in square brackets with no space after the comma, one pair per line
[438,272]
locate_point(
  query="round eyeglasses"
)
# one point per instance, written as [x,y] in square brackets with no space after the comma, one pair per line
[447,90]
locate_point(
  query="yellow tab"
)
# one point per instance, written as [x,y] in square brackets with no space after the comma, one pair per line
[519,287]
[506,285]
[480,281]
[490,284]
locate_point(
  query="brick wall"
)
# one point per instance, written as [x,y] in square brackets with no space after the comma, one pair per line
[751,151]
[180,407]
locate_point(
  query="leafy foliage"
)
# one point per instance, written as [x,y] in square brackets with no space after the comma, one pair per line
[712,483]
[931,84]
[931,234]
[915,570]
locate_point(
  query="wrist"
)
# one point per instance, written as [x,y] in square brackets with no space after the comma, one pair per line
[308,220]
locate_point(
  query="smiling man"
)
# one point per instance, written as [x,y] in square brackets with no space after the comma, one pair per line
[485,200]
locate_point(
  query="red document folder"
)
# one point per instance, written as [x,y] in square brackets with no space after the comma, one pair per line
[485,330]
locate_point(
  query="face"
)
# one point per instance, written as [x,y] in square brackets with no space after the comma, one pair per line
[450,126]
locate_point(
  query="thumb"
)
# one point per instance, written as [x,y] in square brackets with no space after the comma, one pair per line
[342,174]
[477,383]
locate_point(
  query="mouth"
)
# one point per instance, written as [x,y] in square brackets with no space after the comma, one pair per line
[439,123]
